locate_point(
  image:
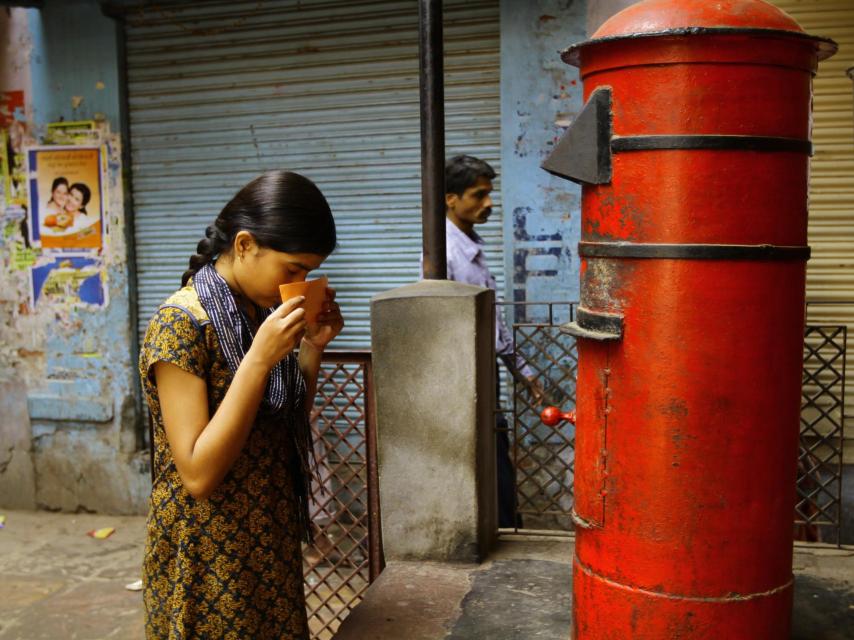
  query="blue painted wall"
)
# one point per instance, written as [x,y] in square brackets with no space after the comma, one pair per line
[540,95]
[74,66]
[77,362]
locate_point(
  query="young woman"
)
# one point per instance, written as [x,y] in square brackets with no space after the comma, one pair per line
[79,196]
[230,397]
[55,215]
[58,196]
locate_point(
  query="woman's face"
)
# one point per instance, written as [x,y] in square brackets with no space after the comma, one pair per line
[60,194]
[260,272]
[74,201]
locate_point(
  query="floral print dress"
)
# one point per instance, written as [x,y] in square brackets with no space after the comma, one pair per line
[229,566]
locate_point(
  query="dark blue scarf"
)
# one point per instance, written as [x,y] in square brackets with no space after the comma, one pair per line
[284,396]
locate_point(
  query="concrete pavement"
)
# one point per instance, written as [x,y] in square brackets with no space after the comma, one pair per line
[522,592]
[57,583]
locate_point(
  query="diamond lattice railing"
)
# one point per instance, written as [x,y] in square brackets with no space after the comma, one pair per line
[544,456]
[819,483]
[346,555]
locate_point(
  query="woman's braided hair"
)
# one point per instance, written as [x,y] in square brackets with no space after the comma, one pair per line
[212,245]
[283,211]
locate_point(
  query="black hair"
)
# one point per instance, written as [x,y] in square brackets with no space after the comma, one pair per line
[462,172]
[84,191]
[283,211]
[56,182]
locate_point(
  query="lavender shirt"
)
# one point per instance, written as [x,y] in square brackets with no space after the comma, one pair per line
[467,264]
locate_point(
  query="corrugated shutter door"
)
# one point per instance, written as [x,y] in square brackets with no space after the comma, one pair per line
[221,91]
[830,271]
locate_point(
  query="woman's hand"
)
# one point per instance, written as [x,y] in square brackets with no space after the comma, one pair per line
[329,323]
[279,334]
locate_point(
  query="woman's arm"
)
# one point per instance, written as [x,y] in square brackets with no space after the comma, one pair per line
[309,364]
[317,337]
[205,448]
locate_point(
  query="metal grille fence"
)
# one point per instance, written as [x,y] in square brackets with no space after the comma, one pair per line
[544,456]
[347,555]
[818,511]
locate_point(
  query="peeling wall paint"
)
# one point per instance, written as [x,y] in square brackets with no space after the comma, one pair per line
[540,96]
[16,49]
[67,371]
[75,69]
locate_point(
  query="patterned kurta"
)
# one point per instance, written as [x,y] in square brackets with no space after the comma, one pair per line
[229,566]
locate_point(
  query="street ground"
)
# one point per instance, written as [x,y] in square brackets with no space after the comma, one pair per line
[57,583]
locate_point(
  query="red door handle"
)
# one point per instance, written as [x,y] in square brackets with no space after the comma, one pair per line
[552,416]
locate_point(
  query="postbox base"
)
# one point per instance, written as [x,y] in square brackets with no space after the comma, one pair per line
[606,610]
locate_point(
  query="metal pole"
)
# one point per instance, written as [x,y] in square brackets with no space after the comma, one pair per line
[432,139]
[850,72]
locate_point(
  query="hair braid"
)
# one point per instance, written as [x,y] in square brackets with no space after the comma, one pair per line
[283,211]
[209,247]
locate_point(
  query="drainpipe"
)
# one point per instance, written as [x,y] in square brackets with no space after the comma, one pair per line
[432,139]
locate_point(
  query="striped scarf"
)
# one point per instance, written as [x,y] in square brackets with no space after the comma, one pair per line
[284,395]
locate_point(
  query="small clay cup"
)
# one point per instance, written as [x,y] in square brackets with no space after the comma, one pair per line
[314,292]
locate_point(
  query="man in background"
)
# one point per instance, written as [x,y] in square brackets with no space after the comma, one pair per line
[468,185]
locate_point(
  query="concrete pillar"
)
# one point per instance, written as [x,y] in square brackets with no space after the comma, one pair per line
[600,10]
[433,359]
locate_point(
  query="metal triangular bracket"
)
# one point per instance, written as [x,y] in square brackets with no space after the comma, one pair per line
[583,154]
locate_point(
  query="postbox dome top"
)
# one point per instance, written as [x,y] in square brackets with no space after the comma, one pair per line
[653,16]
[687,17]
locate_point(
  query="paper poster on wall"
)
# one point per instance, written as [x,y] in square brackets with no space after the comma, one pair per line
[11,108]
[14,135]
[69,279]
[13,169]
[80,132]
[66,197]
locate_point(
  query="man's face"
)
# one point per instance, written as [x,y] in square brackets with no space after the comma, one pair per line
[474,205]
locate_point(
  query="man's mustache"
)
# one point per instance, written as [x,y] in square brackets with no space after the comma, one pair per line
[487,211]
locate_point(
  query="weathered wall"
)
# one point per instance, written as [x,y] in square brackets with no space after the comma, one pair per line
[70,364]
[540,96]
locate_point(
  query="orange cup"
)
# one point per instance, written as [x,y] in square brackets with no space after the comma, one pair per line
[314,292]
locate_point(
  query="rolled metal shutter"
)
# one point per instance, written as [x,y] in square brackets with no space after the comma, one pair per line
[830,271]
[221,91]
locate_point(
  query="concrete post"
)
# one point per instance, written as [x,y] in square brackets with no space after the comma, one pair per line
[433,360]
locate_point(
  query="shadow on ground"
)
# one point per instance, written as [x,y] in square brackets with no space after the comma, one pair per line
[824,609]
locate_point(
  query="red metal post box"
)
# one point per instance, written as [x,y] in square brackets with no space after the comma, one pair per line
[693,149]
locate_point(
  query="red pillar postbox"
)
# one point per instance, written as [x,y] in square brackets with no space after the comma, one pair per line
[693,149]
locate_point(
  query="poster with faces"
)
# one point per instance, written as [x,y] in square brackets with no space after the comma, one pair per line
[66,198]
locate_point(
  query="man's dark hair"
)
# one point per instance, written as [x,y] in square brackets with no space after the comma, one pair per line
[461,172]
